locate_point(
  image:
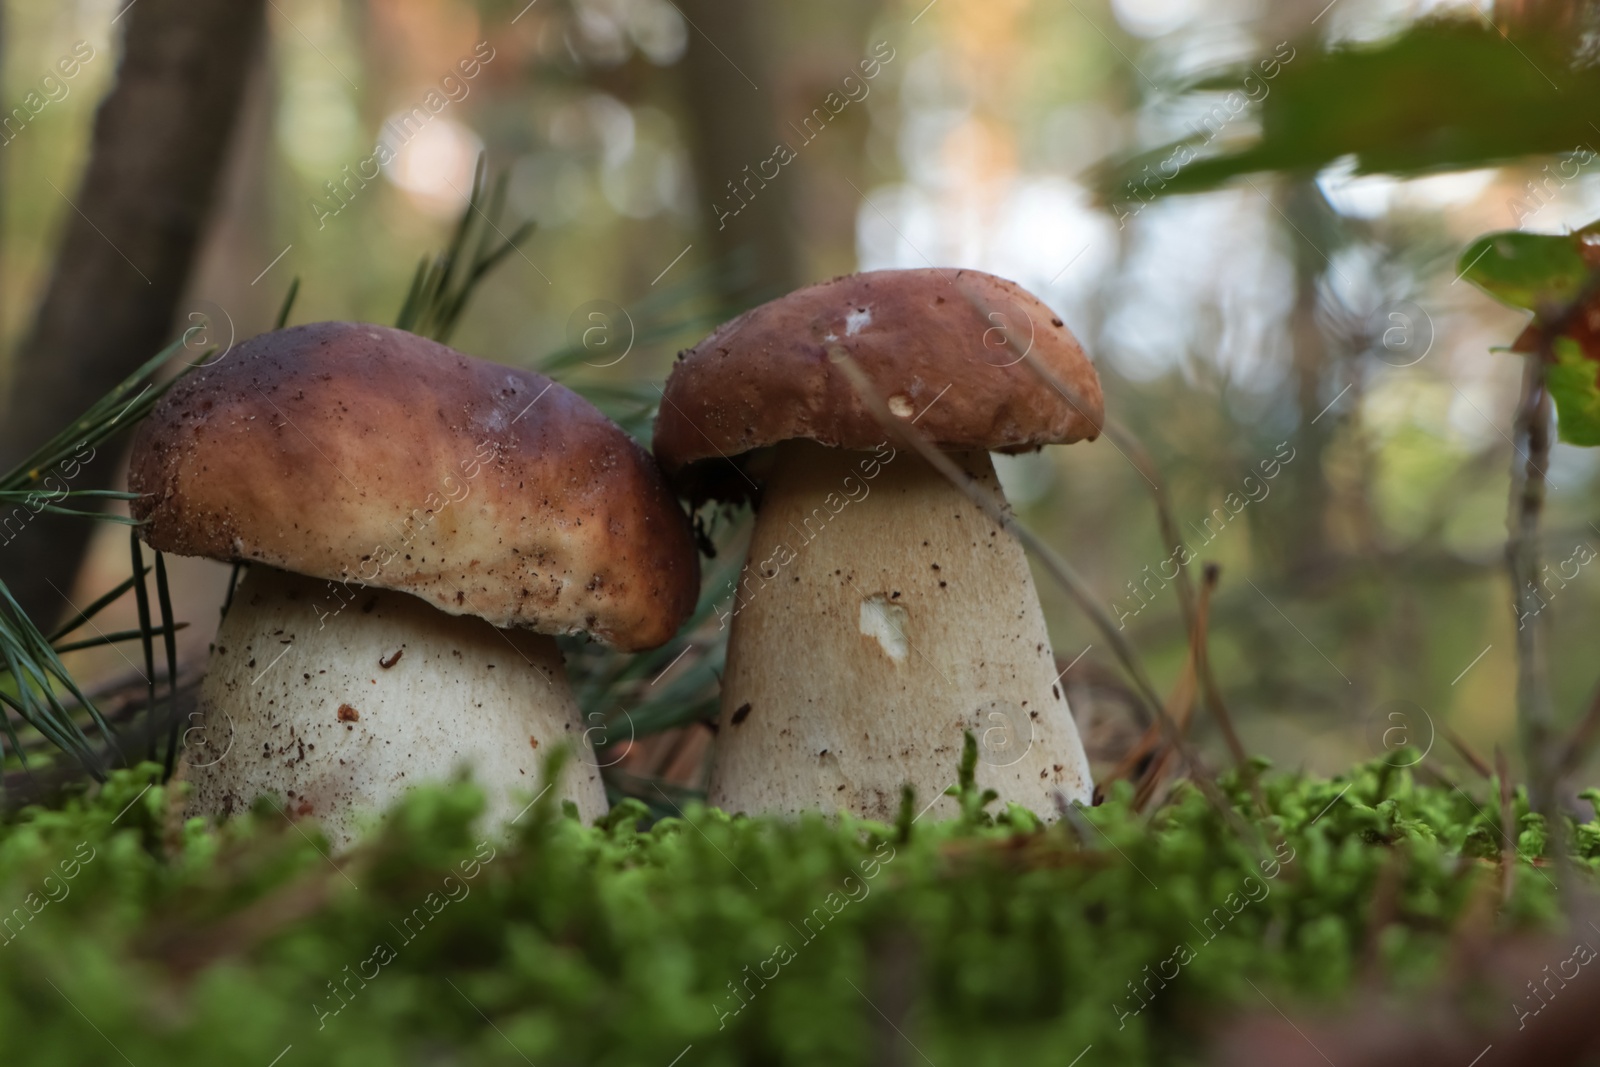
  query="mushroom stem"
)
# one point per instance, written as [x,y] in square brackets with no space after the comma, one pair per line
[336,699]
[881,615]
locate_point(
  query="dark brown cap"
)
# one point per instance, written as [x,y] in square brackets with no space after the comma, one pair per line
[370,456]
[943,348]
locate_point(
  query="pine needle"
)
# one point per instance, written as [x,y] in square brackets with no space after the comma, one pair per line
[442,286]
[146,638]
[38,686]
[169,640]
[288,303]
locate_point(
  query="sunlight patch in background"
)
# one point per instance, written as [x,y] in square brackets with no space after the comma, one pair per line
[1207,278]
[1156,18]
[602,159]
[1044,236]
[605,32]
[1370,196]
[434,168]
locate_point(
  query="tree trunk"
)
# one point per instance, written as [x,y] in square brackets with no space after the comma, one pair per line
[159,142]
[1306,547]
[731,96]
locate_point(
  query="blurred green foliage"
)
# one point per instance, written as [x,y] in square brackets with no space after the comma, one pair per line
[1533,271]
[1554,276]
[1447,94]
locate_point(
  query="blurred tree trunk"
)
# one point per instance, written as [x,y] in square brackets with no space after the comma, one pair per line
[835,172]
[159,141]
[1309,235]
[730,89]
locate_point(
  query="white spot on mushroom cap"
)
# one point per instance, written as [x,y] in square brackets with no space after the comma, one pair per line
[900,406]
[886,623]
[856,321]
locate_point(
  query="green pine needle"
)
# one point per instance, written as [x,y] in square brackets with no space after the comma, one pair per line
[442,286]
[34,683]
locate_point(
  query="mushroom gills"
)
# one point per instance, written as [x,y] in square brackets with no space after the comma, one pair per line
[336,699]
[881,616]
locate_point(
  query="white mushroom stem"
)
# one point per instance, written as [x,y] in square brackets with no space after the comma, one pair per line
[881,615]
[336,699]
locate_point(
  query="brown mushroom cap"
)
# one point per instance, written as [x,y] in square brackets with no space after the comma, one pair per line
[370,456]
[942,347]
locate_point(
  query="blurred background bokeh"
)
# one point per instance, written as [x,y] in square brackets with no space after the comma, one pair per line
[1313,327]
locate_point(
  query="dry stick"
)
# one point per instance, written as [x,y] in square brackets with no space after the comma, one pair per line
[1138,754]
[1475,761]
[1058,567]
[1135,452]
[1195,621]
[1180,711]
[1148,752]
[1427,770]
[1522,560]
[1213,696]
[1179,707]
[1139,456]
[1580,740]
[1219,710]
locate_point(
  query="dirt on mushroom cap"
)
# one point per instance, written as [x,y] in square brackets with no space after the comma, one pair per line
[943,347]
[364,454]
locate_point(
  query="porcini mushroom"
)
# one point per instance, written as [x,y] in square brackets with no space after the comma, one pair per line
[881,613]
[417,523]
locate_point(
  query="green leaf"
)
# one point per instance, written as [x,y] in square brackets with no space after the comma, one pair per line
[1444,95]
[1533,271]
[1575,386]
[1550,275]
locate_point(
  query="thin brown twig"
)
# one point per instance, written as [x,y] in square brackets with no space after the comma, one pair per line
[1150,700]
[1133,450]
[1140,457]
[1194,616]
[1219,710]
[1475,761]
[1213,696]
[1180,709]
[1522,561]
[1532,433]
[1125,442]
[1580,740]
[1054,564]
[1147,759]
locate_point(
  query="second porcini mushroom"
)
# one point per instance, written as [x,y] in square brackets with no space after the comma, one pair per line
[882,613]
[416,523]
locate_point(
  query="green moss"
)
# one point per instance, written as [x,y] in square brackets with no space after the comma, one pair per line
[987,939]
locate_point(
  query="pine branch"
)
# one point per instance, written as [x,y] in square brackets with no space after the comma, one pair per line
[34,682]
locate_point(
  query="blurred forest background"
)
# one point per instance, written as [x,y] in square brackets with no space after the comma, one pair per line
[1313,324]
